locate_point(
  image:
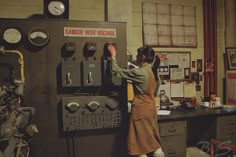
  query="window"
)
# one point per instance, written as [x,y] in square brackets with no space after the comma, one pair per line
[169,25]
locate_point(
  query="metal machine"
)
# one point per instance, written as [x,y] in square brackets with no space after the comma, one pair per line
[68,80]
[16,121]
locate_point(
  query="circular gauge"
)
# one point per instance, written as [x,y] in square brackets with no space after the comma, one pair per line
[12,35]
[56,8]
[38,37]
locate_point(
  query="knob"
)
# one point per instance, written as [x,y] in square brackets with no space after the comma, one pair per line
[93,105]
[72,106]
[111,105]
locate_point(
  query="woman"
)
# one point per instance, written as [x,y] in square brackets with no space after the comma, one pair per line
[143,130]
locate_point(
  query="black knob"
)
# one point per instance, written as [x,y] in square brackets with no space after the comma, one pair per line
[111,105]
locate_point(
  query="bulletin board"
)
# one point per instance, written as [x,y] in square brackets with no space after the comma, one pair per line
[175,69]
[175,65]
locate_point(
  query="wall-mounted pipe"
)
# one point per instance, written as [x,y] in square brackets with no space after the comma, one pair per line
[20,61]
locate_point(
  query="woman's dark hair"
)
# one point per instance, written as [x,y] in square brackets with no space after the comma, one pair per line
[150,55]
[155,66]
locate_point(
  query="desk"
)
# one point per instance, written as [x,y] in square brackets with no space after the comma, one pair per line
[193,128]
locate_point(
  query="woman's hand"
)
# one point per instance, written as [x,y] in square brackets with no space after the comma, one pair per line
[112,51]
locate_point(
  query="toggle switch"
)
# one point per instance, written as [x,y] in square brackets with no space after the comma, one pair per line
[90,79]
[68,79]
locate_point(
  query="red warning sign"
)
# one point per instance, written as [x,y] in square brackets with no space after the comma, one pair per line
[89,32]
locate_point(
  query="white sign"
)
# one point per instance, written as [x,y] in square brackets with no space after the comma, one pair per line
[89,32]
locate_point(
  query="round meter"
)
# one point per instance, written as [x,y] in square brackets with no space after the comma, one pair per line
[56,8]
[12,35]
[38,37]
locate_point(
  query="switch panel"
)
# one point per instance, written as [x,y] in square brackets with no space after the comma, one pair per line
[108,78]
[70,74]
[90,112]
[92,73]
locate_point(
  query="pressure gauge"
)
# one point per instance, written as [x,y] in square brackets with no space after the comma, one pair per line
[12,35]
[56,8]
[38,37]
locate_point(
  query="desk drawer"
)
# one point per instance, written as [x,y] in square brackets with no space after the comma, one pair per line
[224,133]
[227,122]
[174,146]
[173,128]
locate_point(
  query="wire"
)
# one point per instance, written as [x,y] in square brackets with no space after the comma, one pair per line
[73,145]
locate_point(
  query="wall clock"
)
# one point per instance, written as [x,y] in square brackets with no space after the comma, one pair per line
[38,37]
[58,9]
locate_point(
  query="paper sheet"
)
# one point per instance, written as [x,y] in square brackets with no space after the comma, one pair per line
[166,88]
[177,89]
[176,74]
[189,89]
[163,112]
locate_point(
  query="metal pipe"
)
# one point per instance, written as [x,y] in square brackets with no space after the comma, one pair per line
[20,61]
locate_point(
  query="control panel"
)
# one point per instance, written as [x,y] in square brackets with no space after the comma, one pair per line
[86,112]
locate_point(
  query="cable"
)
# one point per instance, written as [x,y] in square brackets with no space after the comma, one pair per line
[73,145]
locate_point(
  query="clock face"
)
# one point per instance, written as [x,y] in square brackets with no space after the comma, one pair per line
[56,8]
[12,36]
[38,37]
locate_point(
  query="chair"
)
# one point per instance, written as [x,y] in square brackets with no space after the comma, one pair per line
[227,143]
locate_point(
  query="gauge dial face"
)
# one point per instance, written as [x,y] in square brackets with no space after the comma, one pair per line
[12,35]
[56,8]
[38,37]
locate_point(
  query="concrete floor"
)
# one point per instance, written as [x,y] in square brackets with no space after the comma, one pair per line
[195,152]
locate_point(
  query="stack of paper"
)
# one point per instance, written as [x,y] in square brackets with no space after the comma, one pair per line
[163,112]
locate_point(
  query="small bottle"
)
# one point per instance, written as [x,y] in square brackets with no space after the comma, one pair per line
[212,96]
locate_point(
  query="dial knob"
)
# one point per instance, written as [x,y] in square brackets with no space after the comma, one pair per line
[93,105]
[111,105]
[72,106]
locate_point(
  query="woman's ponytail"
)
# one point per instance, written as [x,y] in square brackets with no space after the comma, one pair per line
[155,66]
